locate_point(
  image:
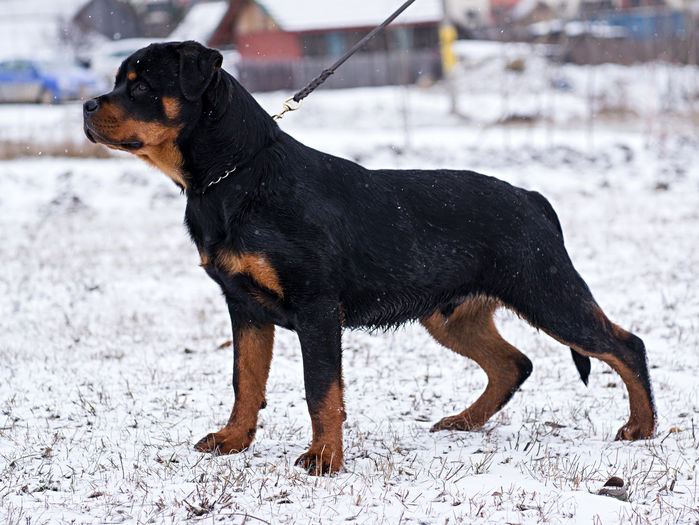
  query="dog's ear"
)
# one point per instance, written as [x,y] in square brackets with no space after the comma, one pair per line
[198,65]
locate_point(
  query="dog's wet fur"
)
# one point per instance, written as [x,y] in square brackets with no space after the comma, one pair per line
[314,243]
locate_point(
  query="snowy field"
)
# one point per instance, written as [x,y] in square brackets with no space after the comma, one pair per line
[111,366]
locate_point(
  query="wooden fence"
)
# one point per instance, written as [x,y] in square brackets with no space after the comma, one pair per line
[368,69]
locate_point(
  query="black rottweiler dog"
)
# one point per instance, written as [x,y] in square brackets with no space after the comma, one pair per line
[314,243]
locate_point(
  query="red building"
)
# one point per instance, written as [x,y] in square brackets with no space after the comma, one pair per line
[279,40]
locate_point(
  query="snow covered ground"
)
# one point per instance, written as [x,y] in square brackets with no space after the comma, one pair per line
[111,367]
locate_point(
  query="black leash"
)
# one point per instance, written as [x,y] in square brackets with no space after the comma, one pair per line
[313,84]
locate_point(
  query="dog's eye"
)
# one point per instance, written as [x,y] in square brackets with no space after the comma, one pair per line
[139,88]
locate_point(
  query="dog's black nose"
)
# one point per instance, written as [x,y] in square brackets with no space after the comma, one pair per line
[90,106]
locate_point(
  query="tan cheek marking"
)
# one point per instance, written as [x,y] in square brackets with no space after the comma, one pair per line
[171,107]
[132,75]
[255,265]
[159,148]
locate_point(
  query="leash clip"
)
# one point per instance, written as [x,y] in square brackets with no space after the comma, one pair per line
[288,106]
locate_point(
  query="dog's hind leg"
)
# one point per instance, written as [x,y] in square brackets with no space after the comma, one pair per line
[563,307]
[471,332]
[592,334]
[627,357]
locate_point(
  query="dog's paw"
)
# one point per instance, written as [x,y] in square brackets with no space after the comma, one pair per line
[633,431]
[226,441]
[321,460]
[458,422]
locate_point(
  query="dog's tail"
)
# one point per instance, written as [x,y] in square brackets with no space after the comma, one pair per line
[582,363]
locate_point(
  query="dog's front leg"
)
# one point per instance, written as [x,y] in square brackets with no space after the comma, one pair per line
[252,355]
[320,336]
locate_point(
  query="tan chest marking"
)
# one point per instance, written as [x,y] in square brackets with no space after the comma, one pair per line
[253,264]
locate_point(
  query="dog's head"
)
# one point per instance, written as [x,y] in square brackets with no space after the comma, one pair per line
[158,93]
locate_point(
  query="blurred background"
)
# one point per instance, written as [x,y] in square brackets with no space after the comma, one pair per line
[544,64]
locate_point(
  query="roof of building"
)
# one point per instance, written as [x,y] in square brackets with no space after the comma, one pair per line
[309,15]
[200,22]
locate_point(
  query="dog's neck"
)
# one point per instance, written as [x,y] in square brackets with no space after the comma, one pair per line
[224,128]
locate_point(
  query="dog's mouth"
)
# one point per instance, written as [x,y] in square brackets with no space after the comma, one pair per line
[96,137]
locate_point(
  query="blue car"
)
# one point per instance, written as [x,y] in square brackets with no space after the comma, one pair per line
[46,81]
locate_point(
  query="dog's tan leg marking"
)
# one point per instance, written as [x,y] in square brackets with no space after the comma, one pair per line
[471,332]
[252,358]
[325,454]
